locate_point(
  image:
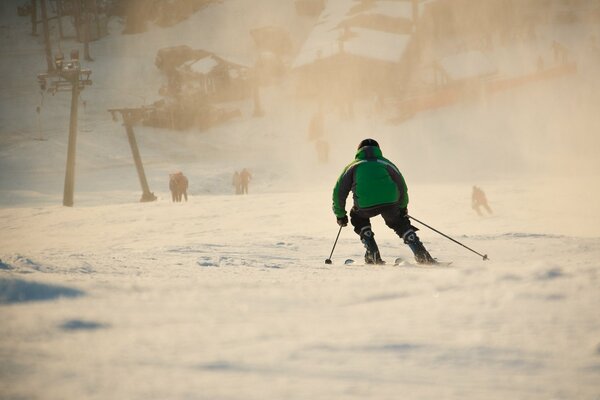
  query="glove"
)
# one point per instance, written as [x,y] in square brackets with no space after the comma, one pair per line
[342,221]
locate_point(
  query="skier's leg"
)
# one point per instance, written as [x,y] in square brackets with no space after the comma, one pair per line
[362,226]
[422,256]
[397,219]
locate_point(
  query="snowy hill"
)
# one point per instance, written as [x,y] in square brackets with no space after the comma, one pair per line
[228,297]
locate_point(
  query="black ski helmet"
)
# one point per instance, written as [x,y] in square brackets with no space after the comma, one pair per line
[368,142]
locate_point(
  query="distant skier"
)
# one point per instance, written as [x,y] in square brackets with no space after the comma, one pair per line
[378,189]
[479,199]
[245,177]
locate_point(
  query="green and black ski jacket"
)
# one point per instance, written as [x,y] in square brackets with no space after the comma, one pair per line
[374,181]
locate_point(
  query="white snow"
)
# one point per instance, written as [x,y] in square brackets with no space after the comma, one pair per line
[228,297]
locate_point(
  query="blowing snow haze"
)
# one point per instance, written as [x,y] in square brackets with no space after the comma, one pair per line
[226,296]
[465,92]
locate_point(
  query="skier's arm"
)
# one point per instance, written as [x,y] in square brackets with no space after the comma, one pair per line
[400,183]
[340,192]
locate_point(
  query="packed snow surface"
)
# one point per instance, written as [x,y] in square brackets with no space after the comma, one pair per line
[229,297]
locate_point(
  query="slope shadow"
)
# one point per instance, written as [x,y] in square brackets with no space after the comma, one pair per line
[20,291]
[81,325]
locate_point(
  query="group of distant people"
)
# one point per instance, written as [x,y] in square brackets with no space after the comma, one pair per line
[178,184]
[241,180]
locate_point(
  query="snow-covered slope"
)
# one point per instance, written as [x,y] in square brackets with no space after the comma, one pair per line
[228,297]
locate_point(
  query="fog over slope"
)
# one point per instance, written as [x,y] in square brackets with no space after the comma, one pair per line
[546,128]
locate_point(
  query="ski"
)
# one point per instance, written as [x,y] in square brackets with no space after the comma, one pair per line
[351,261]
[400,262]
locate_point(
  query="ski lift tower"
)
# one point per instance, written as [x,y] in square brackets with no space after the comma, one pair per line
[130,116]
[68,75]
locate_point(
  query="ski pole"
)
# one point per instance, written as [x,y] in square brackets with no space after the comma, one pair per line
[328,261]
[485,257]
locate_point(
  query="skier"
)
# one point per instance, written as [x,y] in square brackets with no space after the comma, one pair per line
[479,199]
[378,189]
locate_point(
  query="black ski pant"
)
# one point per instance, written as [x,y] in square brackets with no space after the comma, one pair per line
[394,216]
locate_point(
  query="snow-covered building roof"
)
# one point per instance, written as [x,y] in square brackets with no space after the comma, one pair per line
[202,66]
[471,64]
[241,60]
[330,35]
[368,43]
[381,46]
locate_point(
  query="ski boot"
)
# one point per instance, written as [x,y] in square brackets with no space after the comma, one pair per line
[372,255]
[422,256]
